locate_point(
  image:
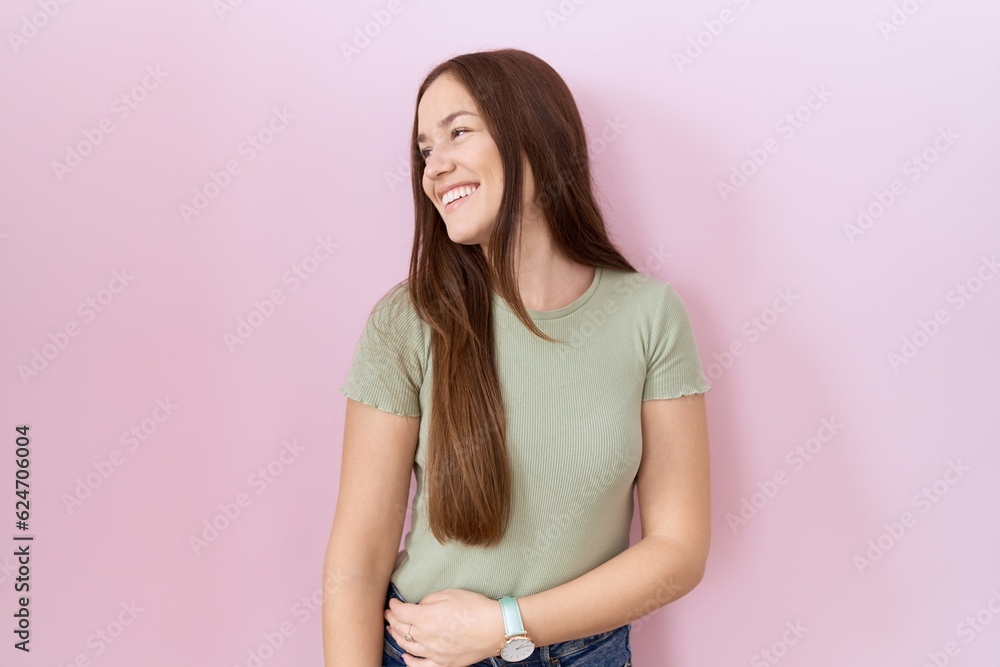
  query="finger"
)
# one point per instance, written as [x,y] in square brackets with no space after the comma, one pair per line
[391,613]
[403,613]
[411,648]
[394,618]
[417,661]
[396,635]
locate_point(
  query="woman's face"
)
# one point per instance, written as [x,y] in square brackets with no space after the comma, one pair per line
[460,157]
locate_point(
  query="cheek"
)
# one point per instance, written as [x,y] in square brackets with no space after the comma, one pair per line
[496,190]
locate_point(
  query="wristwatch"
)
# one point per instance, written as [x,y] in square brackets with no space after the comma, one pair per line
[517,646]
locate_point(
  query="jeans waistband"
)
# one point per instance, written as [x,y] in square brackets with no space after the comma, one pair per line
[541,653]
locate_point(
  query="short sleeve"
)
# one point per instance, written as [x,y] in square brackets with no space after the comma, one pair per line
[387,368]
[673,367]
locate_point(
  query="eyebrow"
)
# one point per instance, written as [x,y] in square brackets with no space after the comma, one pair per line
[447,119]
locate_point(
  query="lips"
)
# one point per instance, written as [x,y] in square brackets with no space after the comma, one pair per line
[451,206]
[440,192]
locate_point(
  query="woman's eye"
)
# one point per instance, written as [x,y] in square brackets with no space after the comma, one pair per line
[426,151]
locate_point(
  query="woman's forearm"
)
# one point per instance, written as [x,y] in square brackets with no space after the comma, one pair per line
[636,582]
[353,625]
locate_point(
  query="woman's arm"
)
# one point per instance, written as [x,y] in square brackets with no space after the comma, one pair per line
[379,449]
[669,561]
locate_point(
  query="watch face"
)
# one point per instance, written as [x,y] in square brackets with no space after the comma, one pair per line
[518,648]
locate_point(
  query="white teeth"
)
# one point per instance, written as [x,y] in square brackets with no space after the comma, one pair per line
[456,193]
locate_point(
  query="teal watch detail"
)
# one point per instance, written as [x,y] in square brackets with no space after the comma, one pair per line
[517,646]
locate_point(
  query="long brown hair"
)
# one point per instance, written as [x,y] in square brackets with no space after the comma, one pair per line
[527,109]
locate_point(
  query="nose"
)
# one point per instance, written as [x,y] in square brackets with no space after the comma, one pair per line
[438,162]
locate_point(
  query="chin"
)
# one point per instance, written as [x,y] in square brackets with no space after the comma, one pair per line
[460,233]
[465,240]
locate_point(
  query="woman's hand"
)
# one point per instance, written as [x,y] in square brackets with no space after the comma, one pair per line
[451,628]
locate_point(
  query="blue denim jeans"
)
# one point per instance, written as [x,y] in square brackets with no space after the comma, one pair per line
[605,649]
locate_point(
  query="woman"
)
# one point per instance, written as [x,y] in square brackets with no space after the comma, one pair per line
[570,380]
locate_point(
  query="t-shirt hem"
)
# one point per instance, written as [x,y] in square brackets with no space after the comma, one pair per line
[376,401]
[677,393]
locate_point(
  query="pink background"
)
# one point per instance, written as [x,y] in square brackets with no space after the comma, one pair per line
[327,194]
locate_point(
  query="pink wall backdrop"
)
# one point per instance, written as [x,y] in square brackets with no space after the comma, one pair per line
[201,201]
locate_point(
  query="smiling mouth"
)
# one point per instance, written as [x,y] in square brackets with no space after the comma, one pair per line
[452,205]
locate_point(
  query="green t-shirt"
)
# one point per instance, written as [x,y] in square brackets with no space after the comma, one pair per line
[573,434]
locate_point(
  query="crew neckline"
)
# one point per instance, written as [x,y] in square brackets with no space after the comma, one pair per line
[558,312]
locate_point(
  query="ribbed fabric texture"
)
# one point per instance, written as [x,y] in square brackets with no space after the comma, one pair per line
[574,430]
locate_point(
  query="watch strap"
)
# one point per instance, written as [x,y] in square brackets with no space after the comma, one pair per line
[512,623]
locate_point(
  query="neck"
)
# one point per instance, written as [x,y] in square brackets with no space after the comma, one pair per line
[546,278]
